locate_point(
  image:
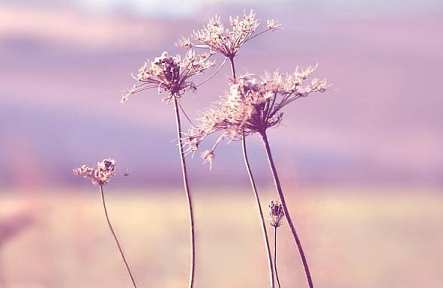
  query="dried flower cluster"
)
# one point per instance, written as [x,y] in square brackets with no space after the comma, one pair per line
[227,41]
[171,74]
[253,105]
[276,213]
[99,175]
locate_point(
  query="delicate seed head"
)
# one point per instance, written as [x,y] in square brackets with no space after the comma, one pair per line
[254,104]
[227,40]
[170,74]
[99,175]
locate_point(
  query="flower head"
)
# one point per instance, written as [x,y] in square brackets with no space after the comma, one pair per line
[99,175]
[276,212]
[171,74]
[227,41]
[253,105]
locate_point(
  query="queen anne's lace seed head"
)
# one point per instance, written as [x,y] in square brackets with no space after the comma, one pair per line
[170,74]
[99,175]
[253,105]
[227,40]
[276,213]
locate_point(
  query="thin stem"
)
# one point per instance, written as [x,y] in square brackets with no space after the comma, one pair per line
[285,207]
[257,197]
[187,190]
[115,237]
[275,256]
[260,210]
[186,115]
[231,59]
[213,75]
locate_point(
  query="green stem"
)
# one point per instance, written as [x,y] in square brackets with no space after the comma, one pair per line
[116,238]
[285,207]
[187,190]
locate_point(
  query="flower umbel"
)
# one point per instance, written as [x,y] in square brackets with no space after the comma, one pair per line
[99,175]
[276,212]
[171,74]
[253,105]
[227,41]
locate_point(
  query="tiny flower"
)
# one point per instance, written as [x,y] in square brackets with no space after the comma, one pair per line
[99,175]
[276,213]
[227,40]
[171,74]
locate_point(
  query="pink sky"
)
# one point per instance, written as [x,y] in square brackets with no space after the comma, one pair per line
[63,70]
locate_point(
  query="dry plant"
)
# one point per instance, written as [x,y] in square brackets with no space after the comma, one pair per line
[101,175]
[173,75]
[276,213]
[252,105]
[227,41]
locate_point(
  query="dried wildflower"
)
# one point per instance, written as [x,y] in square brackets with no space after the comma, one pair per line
[253,105]
[171,74]
[276,213]
[227,41]
[99,175]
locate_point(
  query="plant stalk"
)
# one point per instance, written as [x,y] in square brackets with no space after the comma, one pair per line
[234,75]
[260,210]
[275,257]
[256,195]
[285,207]
[116,238]
[187,190]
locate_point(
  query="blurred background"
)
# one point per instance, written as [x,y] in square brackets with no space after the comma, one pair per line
[362,164]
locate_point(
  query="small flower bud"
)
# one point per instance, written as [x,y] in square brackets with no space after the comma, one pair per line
[276,213]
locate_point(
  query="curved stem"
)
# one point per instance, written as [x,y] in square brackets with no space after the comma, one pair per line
[257,197]
[187,190]
[275,256]
[115,237]
[260,210]
[285,207]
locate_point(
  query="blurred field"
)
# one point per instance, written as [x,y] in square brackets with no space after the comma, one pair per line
[354,239]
